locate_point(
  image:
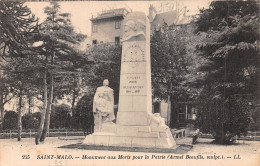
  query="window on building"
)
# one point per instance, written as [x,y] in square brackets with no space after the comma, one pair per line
[94,42]
[181,116]
[117,40]
[189,111]
[117,24]
[94,28]
[156,107]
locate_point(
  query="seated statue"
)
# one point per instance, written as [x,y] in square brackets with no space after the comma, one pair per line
[103,106]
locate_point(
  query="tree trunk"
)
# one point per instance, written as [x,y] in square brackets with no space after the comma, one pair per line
[39,133]
[220,136]
[19,134]
[48,111]
[2,112]
[29,103]
[76,90]
[169,110]
[73,101]
[47,115]
[169,106]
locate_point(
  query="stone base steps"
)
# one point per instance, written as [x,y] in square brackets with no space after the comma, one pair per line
[133,136]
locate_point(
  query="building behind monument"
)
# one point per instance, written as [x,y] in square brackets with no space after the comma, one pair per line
[107,26]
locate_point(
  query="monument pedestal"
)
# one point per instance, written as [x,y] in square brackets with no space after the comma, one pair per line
[132,136]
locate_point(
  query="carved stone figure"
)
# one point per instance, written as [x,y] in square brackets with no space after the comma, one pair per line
[134,27]
[156,120]
[103,106]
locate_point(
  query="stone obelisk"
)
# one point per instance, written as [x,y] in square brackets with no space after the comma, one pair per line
[135,98]
[136,126]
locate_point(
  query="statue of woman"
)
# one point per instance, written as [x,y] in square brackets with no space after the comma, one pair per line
[103,105]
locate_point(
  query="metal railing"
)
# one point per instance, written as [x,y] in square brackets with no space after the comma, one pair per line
[107,44]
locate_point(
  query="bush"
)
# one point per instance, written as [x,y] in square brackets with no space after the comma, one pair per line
[224,121]
[60,116]
[83,117]
[30,122]
[10,120]
[37,115]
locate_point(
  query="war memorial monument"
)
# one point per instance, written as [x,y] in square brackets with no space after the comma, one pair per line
[136,125]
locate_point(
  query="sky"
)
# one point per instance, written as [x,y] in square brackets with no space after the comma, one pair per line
[82,11]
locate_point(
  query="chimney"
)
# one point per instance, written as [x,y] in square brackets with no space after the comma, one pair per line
[152,13]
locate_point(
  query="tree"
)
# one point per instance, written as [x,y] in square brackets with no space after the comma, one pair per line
[5,96]
[58,49]
[16,24]
[71,83]
[169,64]
[106,65]
[231,81]
[24,81]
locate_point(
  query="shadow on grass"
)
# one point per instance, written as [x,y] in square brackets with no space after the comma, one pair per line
[180,149]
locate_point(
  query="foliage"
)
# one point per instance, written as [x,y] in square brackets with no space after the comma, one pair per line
[167,62]
[83,117]
[30,122]
[61,41]
[60,116]
[16,25]
[107,63]
[231,83]
[10,120]
[173,65]
[37,115]
[174,61]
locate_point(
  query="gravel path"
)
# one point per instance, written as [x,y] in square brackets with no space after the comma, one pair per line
[13,152]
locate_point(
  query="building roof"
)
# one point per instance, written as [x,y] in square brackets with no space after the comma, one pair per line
[184,20]
[170,18]
[120,12]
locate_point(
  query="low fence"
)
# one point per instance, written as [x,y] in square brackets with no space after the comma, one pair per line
[179,133]
[251,135]
[30,133]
